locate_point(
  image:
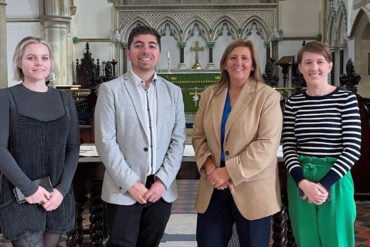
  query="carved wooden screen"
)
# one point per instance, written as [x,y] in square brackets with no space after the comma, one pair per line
[87,72]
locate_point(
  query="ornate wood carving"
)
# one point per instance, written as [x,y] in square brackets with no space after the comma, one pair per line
[362,166]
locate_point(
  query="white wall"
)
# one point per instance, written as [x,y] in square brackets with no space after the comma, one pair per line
[361,48]
[300,17]
[22,9]
[93,20]
[17,12]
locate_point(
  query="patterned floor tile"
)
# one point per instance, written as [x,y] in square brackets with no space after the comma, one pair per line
[185,205]
[188,190]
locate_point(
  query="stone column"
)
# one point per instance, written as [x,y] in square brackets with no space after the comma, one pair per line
[56,19]
[182,58]
[210,65]
[3,47]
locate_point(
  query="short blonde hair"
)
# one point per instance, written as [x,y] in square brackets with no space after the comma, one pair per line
[18,53]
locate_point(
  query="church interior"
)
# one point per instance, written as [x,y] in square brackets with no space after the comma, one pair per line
[88,39]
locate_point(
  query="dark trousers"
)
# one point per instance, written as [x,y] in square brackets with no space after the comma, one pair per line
[214,227]
[137,225]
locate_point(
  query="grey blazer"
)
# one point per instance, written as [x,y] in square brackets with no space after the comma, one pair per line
[122,139]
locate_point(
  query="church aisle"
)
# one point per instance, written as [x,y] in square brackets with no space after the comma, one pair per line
[180,231]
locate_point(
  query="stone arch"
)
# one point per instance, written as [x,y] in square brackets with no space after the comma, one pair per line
[361,18]
[341,38]
[260,28]
[171,36]
[255,30]
[331,30]
[175,29]
[202,26]
[135,22]
[196,25]
[360,32]
[225,23]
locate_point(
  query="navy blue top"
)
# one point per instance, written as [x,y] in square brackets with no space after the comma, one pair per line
[322,126]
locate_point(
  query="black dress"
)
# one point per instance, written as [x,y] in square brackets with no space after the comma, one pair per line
[40,148]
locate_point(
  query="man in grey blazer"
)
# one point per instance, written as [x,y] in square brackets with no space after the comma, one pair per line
[140,136]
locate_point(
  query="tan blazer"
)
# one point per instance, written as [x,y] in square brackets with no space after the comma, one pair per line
[252,138]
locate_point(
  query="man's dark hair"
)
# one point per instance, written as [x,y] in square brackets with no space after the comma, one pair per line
[143,30]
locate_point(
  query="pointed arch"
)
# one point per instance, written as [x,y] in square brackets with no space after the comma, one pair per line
[341,35]
[174,28]
[331,30]
[362,16]
[258,26]
[201,25]
[134,23]
[360,32]
[225,23]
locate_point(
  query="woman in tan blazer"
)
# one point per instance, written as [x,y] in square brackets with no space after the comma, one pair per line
[236,135]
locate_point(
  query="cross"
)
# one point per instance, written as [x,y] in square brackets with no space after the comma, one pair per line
[195,97]
[196,49]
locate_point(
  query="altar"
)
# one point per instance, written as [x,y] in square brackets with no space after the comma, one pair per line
[192,84]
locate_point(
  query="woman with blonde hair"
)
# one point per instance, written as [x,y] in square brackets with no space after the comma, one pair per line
[39,149]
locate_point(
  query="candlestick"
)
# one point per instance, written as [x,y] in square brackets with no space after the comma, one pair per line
[168,65]
[270,49]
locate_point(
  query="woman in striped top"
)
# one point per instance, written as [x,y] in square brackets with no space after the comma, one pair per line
[321,143]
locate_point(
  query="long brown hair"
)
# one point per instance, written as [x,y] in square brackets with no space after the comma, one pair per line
[256,74]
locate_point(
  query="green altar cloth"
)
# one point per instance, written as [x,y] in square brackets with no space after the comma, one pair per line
[192,85]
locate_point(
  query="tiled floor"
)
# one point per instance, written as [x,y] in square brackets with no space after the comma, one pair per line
[187,190]
[180,231]
[182,223]
[363,224]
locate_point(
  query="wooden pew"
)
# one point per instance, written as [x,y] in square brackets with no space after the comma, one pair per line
[361,170]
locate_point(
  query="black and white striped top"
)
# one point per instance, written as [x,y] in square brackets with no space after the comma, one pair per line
[322,126]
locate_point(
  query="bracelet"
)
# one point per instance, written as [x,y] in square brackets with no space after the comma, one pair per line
[211,171]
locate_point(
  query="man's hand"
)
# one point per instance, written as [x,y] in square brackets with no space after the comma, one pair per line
[156,191]
[138,191]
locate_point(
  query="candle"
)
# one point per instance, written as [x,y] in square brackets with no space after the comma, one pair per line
[168,55]
[111,51]
[320,22]
[270,49]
